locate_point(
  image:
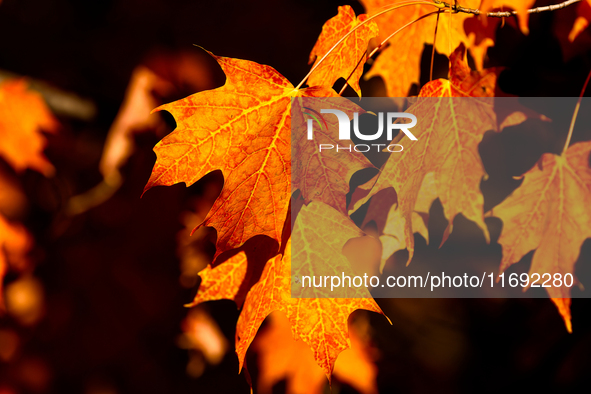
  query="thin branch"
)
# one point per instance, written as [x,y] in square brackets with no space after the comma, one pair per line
[572,122]
[503,14]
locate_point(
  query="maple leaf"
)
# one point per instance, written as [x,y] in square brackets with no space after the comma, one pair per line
[399,63]
[549,212]
[242,129]
[319,322]
[347,59]
[447,148]
[23,114]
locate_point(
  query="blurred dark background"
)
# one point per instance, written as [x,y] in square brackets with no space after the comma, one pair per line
[113,302]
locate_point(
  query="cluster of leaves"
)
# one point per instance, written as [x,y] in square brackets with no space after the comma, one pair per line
[243,129]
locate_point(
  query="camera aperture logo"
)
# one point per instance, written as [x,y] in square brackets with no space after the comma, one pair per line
[345,130]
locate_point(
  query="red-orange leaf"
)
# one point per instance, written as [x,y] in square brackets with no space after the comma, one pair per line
[242,129]
[549,212]
[347,59]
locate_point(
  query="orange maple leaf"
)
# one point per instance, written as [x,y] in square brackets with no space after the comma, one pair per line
[242,129]
[399,63]
[23,115]
[459,171]
[549,212]
[347,59]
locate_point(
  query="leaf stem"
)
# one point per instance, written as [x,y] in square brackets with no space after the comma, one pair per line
[433,49]
[572,122]
[449,33]
[343,38]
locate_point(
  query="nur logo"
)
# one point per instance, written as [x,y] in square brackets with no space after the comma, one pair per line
[345,129]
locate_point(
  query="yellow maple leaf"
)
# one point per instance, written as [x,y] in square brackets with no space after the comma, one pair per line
[549,213]
[450,125]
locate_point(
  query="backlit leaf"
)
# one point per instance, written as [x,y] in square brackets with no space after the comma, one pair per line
[448,133]
[549,213]
[242,129]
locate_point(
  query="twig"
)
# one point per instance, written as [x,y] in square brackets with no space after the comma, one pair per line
[502,14]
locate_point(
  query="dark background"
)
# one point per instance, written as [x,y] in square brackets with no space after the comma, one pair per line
[113,302]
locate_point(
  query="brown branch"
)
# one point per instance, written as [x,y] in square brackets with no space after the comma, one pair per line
[503,14]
